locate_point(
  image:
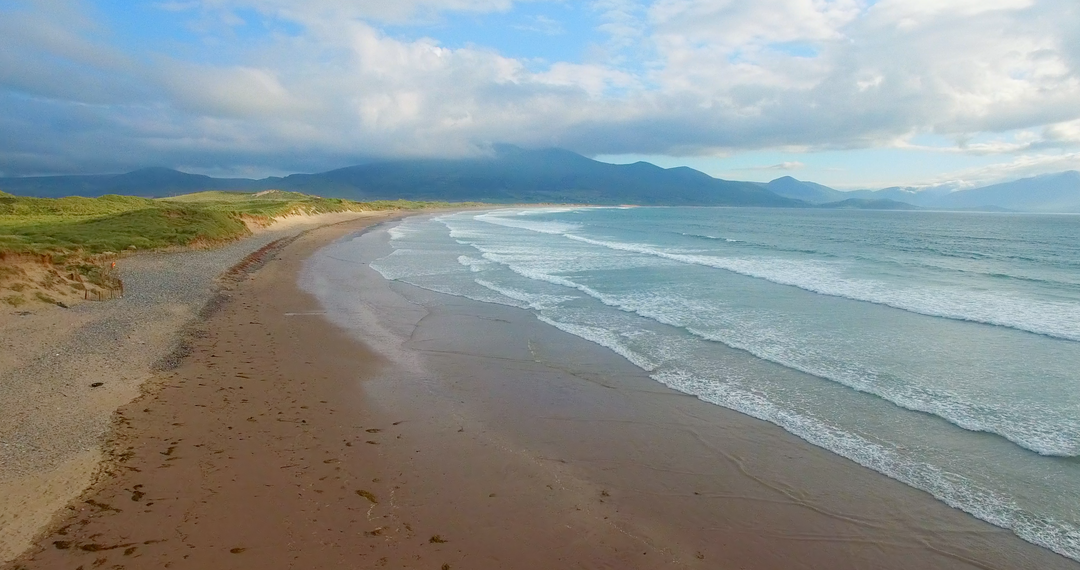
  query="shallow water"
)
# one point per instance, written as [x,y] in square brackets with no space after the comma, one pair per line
[940,349]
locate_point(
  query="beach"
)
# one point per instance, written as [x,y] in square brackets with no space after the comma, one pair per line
[324,417]
[65,371]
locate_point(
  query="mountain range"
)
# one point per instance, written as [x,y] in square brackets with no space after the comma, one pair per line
[515,175]
[1046,193]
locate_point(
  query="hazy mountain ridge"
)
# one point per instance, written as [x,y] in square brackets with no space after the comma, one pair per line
[513,174]
[510,175]
[1058,192]
[1047,193]
[145,182]
[868,204]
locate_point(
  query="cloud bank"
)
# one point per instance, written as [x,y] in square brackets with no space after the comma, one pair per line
[324,83]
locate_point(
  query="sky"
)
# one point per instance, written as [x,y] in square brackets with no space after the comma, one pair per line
[849,93]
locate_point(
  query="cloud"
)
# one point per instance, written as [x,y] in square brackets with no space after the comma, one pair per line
[791,165]
[673,77]
[312,11]
[542,25]
[1019,167]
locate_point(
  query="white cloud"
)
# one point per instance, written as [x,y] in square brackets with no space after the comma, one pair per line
[1064,134]
[542,25]
[1019,167]
[735,24]
[676,77]
[312,11]
[788,165]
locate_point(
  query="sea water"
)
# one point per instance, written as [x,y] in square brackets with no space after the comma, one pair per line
[939,349]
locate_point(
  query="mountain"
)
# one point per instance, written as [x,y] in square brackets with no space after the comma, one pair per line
[811,192]
[518,175]
[915,197]
[511,174]
[1058,192]
[147,182]
[864,203]
[886,199]
[868,204]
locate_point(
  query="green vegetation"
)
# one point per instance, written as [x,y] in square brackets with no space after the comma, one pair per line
[77,226]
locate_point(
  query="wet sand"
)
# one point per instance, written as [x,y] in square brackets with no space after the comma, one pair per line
[426,431]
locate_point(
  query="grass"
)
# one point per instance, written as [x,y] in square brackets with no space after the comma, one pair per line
[78,227]
[71,234]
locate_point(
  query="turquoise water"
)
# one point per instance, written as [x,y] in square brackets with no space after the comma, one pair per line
[940,349]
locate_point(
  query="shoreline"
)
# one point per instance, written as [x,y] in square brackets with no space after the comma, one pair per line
[777,469]
[395,437]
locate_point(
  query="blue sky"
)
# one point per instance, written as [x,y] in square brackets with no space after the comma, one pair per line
[850,93]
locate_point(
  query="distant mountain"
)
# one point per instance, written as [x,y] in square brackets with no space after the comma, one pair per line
[913,196]
[868,204]
[886,199]
[518,175]
[811,192]
[147,182]
[1058,192]
[511,175]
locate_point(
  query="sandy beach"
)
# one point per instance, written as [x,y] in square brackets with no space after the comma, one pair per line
[64,372]
[323,417]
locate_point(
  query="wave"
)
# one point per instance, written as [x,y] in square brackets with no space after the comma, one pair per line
[606,338]
[716,238]
[1053,319]
[474,265]
[1042,431]
[401,231]
[544,227]
[950,488]
[1035,428]
[535,301]
[905,264]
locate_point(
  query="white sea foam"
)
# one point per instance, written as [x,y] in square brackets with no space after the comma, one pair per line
[1055,319]
[1034,427]
[1039,429]
[717,238]
[535,301]
[606,338]
[539,226]
[402,230]
[475,265]
[551,264]
[955,490]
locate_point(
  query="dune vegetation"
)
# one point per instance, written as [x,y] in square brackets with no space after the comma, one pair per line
[55,244]
[90,226]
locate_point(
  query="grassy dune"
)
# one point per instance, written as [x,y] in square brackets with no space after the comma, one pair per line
[91,226]
[56,250]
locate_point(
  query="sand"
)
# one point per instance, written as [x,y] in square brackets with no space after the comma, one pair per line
[53,419]
[348,422]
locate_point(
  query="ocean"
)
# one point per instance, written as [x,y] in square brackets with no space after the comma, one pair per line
[939,349]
